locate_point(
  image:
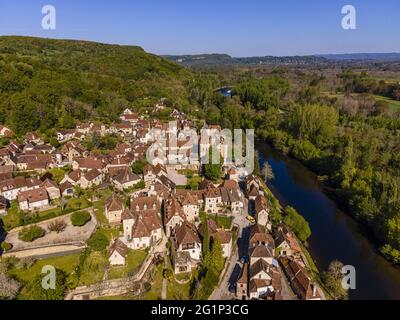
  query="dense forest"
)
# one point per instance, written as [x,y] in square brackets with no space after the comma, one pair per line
[344,125]
[52,83]
[341,122]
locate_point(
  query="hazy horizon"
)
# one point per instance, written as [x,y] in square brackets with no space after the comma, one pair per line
[237,28]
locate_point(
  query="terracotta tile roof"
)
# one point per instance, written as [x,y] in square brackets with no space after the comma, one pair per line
[92,174]
[125,176]
[89,163]
[75,175]
[206,184]
[224,236]
[230,184]
[31,196]
[66,185]
[212,193]
[146,223]
[260,252]
[260,204]
[144,203]
[244,274]
[287,237]
[114,203]
[127,214]
[172,208]
[256,284]
[49,184]
[301,283]
[258,235]
[118,246]
[186,234]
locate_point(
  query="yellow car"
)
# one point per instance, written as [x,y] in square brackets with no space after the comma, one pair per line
[251,219]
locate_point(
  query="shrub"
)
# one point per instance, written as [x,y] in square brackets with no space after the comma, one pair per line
[98,242]
[25,263]
[6,246]
[31,234]
[168,274]
[79,219]
[9,288]
[57,226]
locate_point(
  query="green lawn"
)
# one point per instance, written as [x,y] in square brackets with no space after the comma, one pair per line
[78,203]
[222,222]
[194,182]
[156,285]
[393,104]
[93,268]
[176,291]
[66,263]
[99,206]
[134,260]
[12,218]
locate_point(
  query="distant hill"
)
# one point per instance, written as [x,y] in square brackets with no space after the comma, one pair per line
[224,59]
[210,60]
[363,57]
[47,83]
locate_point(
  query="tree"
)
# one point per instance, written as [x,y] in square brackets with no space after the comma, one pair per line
[333,280]
[217,260]
[79,219]
[37,292]
[138,166]
[297,223]
[316,123]
[212,171]
[54,142]
[98,241]
[6,246]
[267,172]
[9,287]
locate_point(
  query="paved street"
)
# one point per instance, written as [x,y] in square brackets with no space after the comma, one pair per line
[226,289]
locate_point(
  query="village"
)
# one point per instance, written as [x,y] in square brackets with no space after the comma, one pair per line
[155,207]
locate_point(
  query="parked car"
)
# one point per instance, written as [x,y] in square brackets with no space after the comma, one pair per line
[251,219]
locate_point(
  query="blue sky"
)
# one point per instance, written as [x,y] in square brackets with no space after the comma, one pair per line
[236,27]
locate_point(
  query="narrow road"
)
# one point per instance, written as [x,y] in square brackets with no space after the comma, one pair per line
[164,283]
[226,288]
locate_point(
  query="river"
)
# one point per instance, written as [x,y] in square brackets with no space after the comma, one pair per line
[335,235]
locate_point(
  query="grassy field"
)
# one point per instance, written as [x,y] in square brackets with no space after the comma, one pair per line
[66,263]
[393,104]
[134,260]
[93,268]
[176,291]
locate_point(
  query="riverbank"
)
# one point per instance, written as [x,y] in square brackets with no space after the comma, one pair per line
[335,234]
[311,266]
